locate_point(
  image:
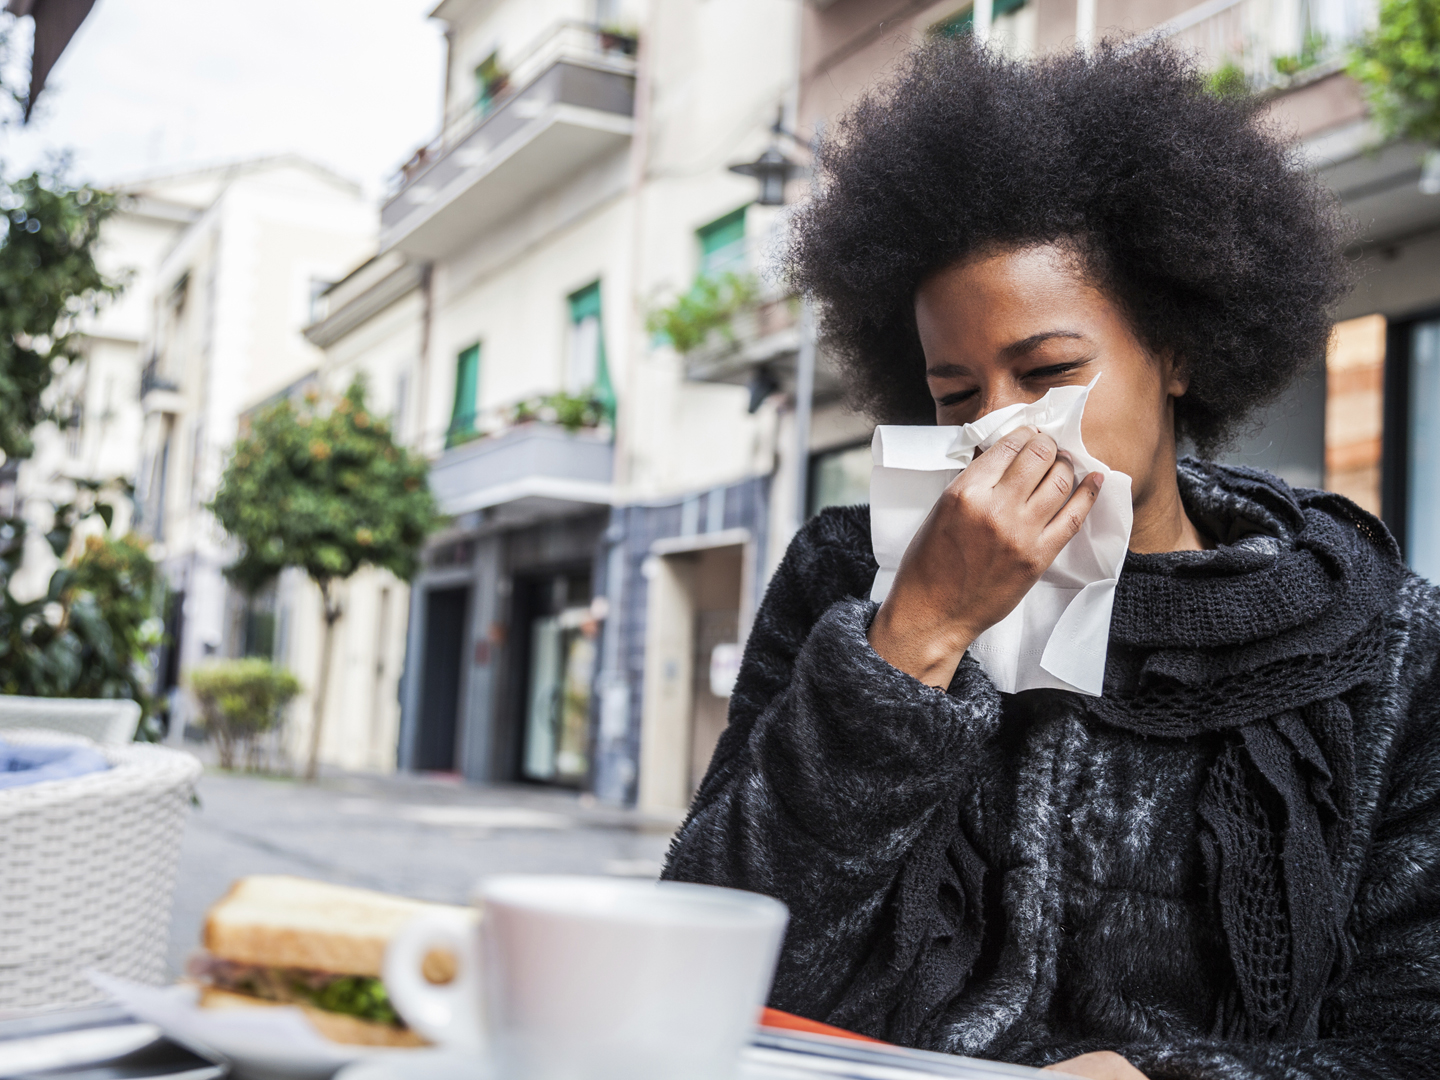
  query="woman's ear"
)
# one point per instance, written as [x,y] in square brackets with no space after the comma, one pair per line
[1177,377]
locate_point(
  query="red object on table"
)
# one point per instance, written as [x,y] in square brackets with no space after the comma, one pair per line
[774,1018]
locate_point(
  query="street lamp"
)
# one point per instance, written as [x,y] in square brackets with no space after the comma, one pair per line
[773,169]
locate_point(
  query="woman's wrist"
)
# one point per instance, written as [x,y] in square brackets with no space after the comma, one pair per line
[924,649]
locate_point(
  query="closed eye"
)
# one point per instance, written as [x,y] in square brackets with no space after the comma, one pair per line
[956,398]
[1056,370]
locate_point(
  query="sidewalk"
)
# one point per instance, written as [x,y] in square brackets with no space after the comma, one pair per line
[425,837]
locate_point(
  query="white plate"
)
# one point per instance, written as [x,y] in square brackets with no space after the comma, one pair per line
[67,1049]
[275,1043]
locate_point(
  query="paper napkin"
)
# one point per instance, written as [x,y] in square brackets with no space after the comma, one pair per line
[1058,635]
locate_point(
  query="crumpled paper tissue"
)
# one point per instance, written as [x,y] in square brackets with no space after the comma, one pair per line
[1058,634]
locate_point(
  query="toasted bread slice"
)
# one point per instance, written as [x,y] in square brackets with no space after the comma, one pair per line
[334,1026]
[291,922]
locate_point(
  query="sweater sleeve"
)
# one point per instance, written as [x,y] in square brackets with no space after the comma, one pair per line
[835,788]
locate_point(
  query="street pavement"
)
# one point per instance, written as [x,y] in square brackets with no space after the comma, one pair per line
[425,837]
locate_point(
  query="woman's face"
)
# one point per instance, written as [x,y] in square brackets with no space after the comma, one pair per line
[1006,328]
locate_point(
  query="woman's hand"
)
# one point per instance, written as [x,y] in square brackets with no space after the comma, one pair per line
[1101,1065]
[990,536]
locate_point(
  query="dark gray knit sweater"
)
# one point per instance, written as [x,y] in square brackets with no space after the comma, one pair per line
[1016,877]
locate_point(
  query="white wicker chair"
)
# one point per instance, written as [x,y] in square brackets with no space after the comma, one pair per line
[106,720]
[87,872]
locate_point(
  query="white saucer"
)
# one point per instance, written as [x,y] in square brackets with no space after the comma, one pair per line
[842,1062]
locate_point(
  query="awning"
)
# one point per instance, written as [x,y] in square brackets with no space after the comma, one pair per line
[55,24]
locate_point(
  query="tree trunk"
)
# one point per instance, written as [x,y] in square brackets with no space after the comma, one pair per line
[332,616]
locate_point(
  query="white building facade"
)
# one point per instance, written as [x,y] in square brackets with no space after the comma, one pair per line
[231,294]
[580,181]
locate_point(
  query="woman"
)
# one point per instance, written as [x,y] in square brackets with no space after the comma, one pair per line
[1227,865]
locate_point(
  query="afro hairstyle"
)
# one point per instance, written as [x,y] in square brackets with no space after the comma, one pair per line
[1223,252]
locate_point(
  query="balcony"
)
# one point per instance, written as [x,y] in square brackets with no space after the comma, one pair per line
[159,394]
[747,328]
[526,473]
[764,335]
[1267,43]
[569,101]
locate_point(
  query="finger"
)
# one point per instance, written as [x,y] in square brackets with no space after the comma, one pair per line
[1068,519]
[1027,469]
[1054,488]
[990,465]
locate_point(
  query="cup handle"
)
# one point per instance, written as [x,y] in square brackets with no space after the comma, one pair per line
[449,1013]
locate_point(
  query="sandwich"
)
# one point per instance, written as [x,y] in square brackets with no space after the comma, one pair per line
[275,940]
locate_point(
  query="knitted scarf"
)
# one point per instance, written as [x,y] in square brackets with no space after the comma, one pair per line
[1263,639]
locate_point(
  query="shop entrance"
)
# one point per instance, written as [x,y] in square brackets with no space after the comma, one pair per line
[557,658]
[692,647]
[445,611]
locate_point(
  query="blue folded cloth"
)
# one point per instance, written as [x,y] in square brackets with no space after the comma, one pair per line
[22,764]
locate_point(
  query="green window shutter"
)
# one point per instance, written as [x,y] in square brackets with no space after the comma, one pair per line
[585,304]
[722,242]
[957,25]
[467,385]
[963,22]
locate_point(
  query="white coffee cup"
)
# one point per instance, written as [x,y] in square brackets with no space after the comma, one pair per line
[596,978]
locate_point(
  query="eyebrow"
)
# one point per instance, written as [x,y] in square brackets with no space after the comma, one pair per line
[1010,352]
[1034,341]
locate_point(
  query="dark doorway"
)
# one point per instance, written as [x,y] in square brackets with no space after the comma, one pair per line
[440,675]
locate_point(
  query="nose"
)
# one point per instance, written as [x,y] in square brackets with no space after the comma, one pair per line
[1002,393]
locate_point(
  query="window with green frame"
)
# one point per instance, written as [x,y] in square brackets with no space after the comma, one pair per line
[722,243]
[467,388]
[586,368]
[962,22]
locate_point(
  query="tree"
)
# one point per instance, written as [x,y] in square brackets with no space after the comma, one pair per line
[91,633]
[1398,63]
[48,278]
[327,491]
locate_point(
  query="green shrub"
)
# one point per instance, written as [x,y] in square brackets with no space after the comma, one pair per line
[570,411]
[241,700]
[1398,64]
[93,632]
[1228,81]
[709,305]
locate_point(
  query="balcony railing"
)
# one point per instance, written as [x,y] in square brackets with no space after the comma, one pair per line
[526,472]
[569,99]
[1268,42]
[152,379]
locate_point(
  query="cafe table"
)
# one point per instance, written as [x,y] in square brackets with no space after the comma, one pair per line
[105,1042]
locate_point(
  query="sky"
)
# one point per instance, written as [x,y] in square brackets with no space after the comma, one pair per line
[156,86]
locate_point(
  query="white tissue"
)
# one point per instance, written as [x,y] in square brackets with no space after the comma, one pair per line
[1058,634]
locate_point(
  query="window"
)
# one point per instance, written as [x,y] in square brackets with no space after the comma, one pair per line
[402,400]
[840,477]
[315,301]
[467,385]
[722,244]
[1422,512]
[586,370]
